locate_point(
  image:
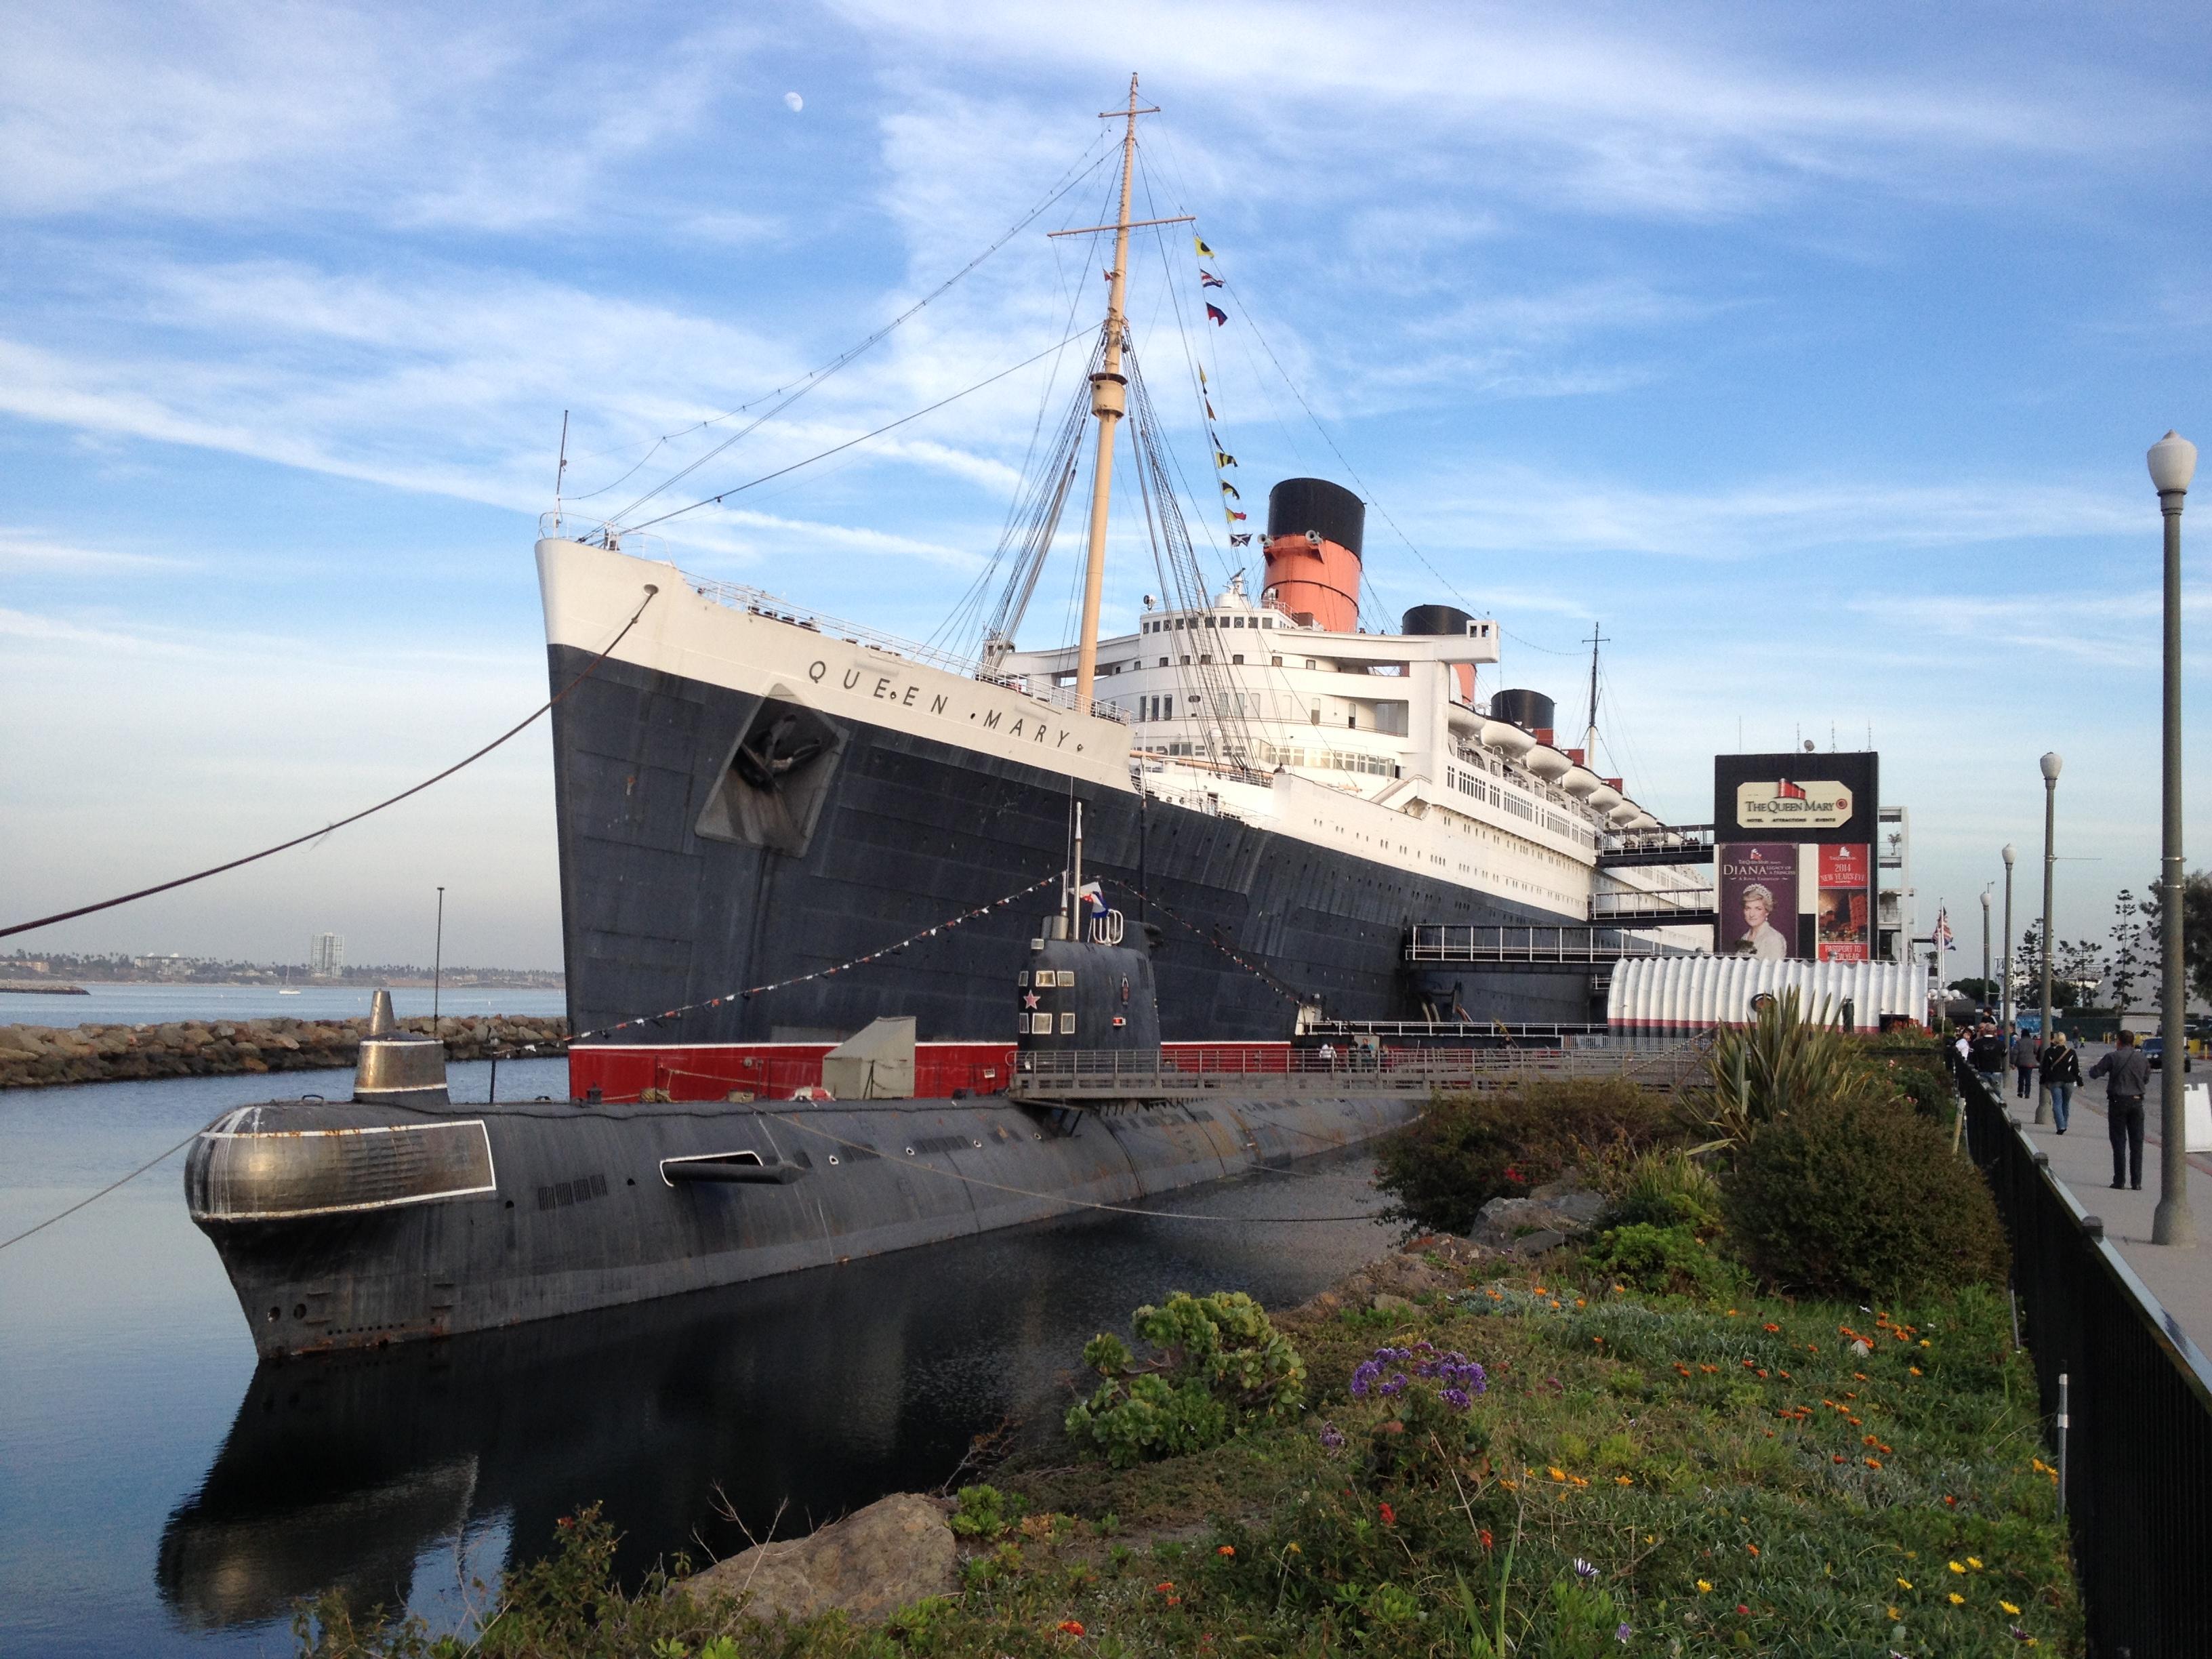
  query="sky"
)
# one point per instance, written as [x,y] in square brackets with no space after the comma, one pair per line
[1811,353]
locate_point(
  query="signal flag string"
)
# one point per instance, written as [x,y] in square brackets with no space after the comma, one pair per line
[317,834]
[1214,939]
[819,973]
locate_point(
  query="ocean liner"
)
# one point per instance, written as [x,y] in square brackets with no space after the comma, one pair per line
[755,799]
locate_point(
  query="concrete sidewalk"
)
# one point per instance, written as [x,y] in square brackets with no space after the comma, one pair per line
[2082,1159]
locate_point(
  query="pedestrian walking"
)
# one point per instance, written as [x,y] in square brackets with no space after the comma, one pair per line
[2027,1056]
[2128,1071]
[1986,1055]
[2061,1076]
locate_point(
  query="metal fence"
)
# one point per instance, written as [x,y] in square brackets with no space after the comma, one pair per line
[2137,1454]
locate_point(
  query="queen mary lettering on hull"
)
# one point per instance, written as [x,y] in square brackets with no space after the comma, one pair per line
[753,794]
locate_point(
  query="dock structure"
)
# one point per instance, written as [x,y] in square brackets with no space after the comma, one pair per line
[1115,1076]
[1667,844]
[1566,948]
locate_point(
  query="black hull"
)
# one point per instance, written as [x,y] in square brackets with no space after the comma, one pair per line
[578,1215]
[912,831]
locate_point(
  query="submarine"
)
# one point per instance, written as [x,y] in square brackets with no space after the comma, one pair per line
[398,1214]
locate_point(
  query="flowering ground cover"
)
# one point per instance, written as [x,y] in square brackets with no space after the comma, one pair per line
[1537,1462]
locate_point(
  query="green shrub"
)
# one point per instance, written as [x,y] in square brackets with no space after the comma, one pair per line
[1787,1058]
[1466,1150]
[1671,1259]
[1221,1368]
[986,1512]
[1924,1081]
[1666,1189]
[1859,1197]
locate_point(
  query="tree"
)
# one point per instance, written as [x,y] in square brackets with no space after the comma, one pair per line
[2195,936]
[2132,955]
[2075,962]
[1982,992]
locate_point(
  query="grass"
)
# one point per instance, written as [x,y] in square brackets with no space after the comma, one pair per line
[1645,1475]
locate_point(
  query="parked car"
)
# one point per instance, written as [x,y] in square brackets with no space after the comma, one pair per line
[2153,1047]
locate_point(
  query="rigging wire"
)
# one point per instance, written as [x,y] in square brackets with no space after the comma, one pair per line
[839,449]
[799,388]
[367,811]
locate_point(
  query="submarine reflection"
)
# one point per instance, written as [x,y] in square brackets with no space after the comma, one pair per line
[697,1420]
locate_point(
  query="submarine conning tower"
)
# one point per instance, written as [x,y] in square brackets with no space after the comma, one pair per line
[397,1067]
[1086,994]
[1314,533]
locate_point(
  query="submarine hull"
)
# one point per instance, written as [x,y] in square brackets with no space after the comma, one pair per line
[352,1225]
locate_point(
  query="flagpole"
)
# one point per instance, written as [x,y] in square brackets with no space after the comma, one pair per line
[1108,402]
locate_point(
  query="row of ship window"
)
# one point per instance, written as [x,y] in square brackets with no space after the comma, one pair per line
[1048,979]
[1170,624]
[1040,1025]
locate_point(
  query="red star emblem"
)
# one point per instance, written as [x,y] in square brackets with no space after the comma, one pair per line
[1029,999]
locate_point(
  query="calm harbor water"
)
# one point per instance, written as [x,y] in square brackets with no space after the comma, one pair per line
[145,1005]
[162,1492]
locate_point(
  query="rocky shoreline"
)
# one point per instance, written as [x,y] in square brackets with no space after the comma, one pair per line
[38,1056]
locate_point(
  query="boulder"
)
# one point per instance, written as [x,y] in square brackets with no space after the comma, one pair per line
[872,1563]
[1553,1214]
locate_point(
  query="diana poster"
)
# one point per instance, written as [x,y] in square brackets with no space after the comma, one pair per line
[1846,903]
[1758,898]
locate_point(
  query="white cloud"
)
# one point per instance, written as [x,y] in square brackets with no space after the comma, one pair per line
[26,549]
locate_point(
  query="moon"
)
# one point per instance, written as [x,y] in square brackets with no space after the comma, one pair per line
[793,102]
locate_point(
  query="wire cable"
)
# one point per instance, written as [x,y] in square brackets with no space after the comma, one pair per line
[119,1180]
[317,834]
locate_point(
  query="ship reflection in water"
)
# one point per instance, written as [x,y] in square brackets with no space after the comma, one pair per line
[782,1403]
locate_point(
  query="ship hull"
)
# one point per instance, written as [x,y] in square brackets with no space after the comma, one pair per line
[912,831]
[353,1224]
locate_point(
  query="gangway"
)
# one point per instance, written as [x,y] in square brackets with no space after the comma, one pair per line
[1567,949]
[1668,907]
[1668,843]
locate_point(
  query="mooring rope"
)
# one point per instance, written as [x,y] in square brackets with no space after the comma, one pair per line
[317,834]
[102,1192]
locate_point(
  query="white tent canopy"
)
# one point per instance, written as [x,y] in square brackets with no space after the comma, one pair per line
[1672,997]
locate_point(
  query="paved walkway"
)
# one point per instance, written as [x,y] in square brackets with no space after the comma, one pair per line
[2082,1159]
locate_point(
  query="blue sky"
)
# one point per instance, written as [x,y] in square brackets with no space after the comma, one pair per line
[1812,351]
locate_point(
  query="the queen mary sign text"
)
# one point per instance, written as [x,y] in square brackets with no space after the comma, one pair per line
[1792,804]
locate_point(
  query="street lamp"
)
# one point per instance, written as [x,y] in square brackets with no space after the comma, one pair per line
[2005,996]
[2051,765]
[1985,945]
[2173,461]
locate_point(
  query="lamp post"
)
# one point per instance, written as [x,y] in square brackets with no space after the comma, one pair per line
[2172,462]
[2006,1002]
[1985,945]
[438,963]
[2051,765]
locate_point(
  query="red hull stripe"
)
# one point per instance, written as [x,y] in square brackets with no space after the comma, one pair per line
[776,1071]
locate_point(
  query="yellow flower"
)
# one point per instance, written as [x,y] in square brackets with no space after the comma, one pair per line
[1955,1566]
[1622,1480]
[1556,1474]
[2009,1608]
[1894,1615]
[1926,1343]
[1905,1583]
[1293,1548]
[1703,1589]
[1957,1600]
[1975,1562]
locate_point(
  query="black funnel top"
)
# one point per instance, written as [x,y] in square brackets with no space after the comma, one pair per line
[1298,505]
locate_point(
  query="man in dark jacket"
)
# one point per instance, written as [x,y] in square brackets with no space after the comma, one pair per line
[2061,1075]
[2027,1055]
[2128,1073]
[1986,1055]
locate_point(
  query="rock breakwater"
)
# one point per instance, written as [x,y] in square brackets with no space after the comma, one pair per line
[34,1056]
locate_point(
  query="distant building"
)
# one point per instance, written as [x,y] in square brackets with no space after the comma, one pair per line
[1894,917]
[326,956]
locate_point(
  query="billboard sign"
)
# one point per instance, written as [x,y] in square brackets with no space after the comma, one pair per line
[1758,900]
[1795,836]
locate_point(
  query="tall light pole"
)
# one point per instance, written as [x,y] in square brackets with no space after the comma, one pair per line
[1985,945]
[2172,462]
[2051,765]
[438,962]
[2006,1004]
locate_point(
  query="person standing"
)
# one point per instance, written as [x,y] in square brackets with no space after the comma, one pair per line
[1986,1055]
[2027,1055]
[2128,1071]
[2061,1075]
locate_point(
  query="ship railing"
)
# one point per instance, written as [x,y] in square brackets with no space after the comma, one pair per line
[1356,1068]
[1473,942]
[1055,696]
[597,532]
[1653,902]
[1663,838]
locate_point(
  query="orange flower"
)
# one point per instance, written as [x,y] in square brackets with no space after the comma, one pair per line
[1226,1549]
[1754,1548]
[1070,1627]
[1874,1462]
[1390,1517]
[1165,1588]
[1770,1327]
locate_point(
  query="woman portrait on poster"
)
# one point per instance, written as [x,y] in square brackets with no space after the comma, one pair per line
[1760,937]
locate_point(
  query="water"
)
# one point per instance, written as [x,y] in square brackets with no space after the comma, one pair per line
[160,1492]
[148,1004]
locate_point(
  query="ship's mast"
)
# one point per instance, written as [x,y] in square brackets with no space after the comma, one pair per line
[1589,734]
[1109,399]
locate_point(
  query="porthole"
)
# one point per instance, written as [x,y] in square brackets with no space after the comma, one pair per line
[833,1158]
[909,1151]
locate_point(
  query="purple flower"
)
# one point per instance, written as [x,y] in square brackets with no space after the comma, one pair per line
[1363,1378]
[1583,1570]
[1396,1385]
[1455,1398]
[1621,1633]
[1332,1438]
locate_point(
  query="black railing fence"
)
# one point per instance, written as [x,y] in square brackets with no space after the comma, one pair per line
[2138,1402]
